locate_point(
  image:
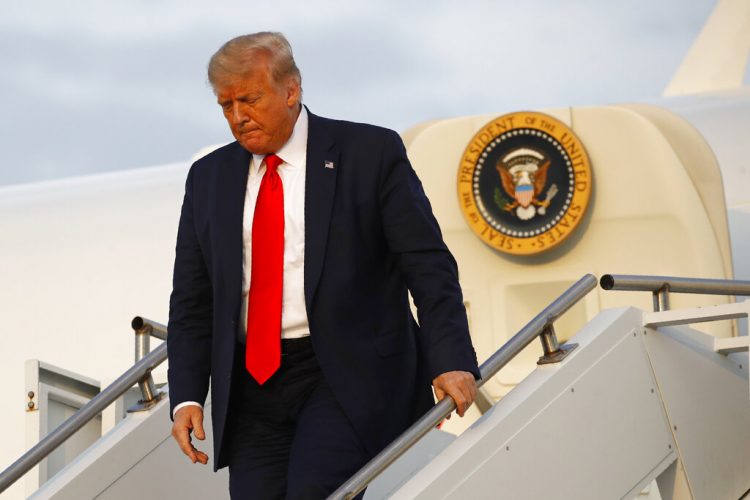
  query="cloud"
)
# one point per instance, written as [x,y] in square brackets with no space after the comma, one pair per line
[91,86]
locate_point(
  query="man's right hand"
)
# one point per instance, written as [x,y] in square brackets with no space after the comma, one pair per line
[189,419]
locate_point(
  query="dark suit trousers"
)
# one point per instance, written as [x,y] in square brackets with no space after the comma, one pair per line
[289,438]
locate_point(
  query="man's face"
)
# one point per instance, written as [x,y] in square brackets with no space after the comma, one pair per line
[260,112]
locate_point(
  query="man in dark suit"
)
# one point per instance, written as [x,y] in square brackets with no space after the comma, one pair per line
[296,249]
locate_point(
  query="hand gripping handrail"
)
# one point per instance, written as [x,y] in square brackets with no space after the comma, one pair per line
[540,326]
[661,286]
[139,373]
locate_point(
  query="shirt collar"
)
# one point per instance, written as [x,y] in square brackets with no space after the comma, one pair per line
[294,152]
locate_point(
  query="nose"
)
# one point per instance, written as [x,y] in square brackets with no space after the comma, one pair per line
[238,113]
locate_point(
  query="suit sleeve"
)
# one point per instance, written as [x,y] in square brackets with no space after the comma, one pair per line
[190,312]
[430,271]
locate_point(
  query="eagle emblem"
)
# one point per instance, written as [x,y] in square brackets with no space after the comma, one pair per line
[524,183]
[523,175]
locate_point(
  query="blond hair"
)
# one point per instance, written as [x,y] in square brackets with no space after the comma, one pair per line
[239,56]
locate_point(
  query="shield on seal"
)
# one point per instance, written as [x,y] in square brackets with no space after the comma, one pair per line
[524,194]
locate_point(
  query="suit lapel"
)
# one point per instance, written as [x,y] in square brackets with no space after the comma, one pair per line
[320,185]
[231,208]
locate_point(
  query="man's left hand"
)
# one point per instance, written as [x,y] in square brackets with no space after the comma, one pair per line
[460,386]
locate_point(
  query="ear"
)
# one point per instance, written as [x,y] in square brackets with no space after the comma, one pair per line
[293,91]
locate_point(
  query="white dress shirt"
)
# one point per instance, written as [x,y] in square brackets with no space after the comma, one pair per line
[292,172]
[294,323]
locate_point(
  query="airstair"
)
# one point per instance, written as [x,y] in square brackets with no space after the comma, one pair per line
[634,397]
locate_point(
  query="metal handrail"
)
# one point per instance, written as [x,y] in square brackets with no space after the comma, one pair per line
[539,325]
[661,286]
[90,410]
[154,329]
[679,285]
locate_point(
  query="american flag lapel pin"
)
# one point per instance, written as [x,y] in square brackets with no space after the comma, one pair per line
[328,164]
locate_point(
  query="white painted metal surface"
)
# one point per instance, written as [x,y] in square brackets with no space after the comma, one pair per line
[717,59]
[78,259]
[696,315]
[707,400]
[53,394]
[630,405]
[590,427]
[138,455]
[701,315]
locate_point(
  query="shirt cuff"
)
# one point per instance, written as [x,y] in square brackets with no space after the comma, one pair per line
[186,403]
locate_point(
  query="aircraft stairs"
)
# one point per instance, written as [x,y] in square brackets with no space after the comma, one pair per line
[634,397]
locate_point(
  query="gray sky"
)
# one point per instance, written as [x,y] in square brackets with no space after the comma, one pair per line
[95,86]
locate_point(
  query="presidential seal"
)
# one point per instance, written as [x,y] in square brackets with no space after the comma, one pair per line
[524,183]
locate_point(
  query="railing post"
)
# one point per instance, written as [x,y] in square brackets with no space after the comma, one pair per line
[142,342]
[549,340]
[661,298]
[150,396]
[664,298]
[553,351]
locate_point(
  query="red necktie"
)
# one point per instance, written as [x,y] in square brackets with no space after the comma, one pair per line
[263,351]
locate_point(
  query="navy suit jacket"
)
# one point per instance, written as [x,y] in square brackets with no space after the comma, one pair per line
[369,236]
